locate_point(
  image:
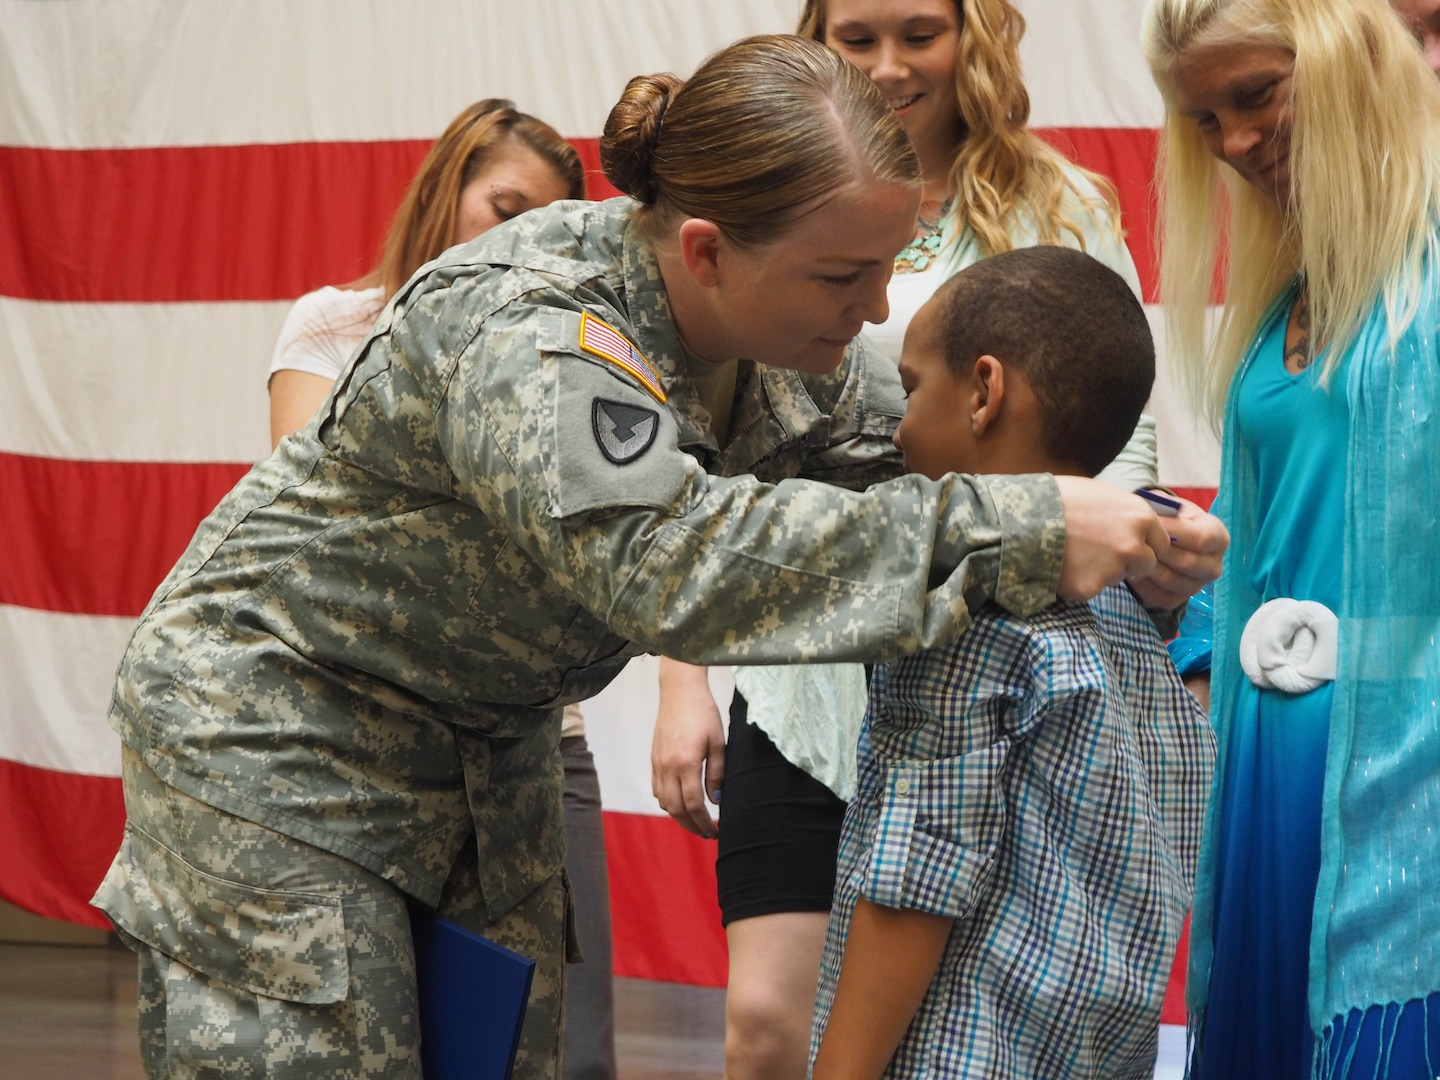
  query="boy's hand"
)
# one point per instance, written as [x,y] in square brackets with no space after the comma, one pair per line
[1193,558]
[1110,535]
[687,751]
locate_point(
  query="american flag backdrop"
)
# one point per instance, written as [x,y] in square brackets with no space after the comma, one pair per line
[173,173]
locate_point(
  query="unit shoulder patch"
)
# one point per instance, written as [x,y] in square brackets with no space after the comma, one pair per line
[623,432]
[599,338]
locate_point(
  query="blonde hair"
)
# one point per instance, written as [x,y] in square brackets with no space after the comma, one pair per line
[1001,169]
[1364,180]
[424,225]
[763,130]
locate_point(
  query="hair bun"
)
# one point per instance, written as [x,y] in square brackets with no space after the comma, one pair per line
[632,132]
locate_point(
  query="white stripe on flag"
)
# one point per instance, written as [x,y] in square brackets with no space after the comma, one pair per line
[57,671]
[150,72]
[619,722]
[1189,450]
[359,70]
[137,382]
[1083,65]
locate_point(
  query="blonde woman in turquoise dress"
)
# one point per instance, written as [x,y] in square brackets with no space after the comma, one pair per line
[1315,941]
[951,70]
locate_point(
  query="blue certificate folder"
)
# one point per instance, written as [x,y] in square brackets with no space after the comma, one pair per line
[472,1000]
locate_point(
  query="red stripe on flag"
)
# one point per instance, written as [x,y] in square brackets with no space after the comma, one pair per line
[202,223]
[665,918]
[1201,497]
[61,831]
[272,221]
[1172,1011]
[1127,157]
[596,185]
[262,222]
[96,537]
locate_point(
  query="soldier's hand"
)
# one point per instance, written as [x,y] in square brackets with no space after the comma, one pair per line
[687,752]
[1110,535]
[1197,546]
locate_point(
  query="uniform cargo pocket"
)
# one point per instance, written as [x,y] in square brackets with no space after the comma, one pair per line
[285,945]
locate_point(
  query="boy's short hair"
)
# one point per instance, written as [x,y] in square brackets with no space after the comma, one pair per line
[1072,327]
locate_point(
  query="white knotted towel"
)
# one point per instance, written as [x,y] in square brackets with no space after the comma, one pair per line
[1290,645]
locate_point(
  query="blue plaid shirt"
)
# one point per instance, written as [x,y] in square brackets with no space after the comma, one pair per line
[1043,783]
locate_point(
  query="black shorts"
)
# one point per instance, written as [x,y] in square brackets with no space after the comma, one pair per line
[779,829]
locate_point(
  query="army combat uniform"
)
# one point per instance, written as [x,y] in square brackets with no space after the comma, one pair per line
[348,690]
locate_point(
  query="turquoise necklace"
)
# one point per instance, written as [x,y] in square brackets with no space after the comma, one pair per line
[921,251]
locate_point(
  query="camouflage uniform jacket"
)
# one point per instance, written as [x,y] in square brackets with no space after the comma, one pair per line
[368,642]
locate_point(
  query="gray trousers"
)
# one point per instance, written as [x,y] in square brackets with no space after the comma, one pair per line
[261,956]
[589,986]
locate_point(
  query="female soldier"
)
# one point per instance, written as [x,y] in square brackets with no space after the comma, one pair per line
[491,163]
[348,690]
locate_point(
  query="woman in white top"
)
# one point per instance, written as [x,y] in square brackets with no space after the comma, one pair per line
[491,163]
[951,70]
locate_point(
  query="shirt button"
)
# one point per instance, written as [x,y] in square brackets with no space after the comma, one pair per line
[902,786]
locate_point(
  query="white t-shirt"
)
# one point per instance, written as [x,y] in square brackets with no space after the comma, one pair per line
[323,330]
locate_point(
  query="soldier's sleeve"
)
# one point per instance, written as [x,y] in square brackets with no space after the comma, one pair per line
[575,454]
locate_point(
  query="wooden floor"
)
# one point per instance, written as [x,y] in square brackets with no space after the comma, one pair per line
[68,1013]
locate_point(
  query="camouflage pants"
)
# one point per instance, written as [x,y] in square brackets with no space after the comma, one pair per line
[261,956]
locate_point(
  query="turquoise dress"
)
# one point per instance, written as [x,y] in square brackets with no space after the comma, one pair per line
[1268,854]
[1274,769]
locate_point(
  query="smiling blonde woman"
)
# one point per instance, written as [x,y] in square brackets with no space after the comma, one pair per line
[1300,158]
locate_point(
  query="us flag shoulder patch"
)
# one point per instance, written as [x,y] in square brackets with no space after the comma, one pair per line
[599,338]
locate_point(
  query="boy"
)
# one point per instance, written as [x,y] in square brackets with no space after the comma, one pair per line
[1018,860]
